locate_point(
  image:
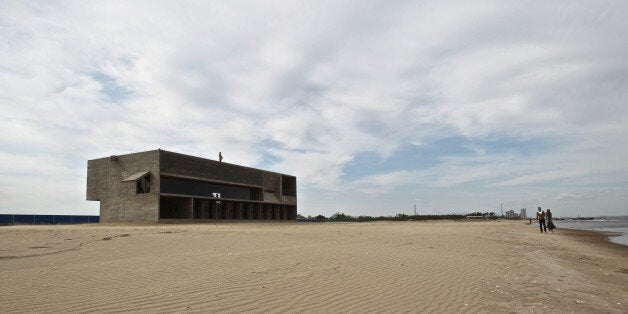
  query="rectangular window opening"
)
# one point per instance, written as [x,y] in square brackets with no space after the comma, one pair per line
[143,185]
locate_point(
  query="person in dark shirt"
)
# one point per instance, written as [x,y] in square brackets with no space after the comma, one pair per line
[548,220]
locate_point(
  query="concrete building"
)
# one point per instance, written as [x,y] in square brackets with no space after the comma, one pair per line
[510,214]
[164,186]
[523,213]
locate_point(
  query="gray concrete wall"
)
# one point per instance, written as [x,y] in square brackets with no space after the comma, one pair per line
[272,187]
[207,169]
[289,200]
[118,200]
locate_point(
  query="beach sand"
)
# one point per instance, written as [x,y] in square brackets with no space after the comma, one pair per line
[440,266]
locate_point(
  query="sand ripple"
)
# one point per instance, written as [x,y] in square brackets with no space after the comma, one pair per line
[305,268]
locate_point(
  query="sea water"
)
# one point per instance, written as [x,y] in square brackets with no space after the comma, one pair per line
[618,226]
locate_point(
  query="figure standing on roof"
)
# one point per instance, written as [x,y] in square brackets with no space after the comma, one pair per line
[220,156]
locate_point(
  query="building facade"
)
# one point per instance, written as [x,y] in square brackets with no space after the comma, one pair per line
[523,213]
[160,185]
[510,214]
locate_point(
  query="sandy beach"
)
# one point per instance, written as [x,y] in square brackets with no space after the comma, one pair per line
[483,266]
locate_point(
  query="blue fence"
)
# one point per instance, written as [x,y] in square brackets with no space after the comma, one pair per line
[311,220]
[47,219]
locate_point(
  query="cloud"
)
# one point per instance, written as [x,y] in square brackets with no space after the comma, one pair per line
[533,92]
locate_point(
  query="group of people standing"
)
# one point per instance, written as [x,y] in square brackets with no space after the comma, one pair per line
[545,220]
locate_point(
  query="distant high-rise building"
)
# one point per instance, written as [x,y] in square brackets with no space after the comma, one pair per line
[510,214]
[523,214]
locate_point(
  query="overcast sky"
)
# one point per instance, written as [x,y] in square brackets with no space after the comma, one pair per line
[375,106]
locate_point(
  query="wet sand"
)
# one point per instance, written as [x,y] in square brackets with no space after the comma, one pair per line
[441,266]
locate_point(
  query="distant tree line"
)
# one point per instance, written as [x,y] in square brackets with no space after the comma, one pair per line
[342,217]
[486,215]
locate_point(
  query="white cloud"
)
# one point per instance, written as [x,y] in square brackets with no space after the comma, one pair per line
[306,87]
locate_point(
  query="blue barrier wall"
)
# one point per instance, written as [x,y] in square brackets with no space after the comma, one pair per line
[6,219]
[311,220]
[47,219]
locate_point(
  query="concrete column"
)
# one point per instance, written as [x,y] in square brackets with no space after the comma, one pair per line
[268,211]
[238,210]
[191,215]
[213,209]
[277,215]
[292,212]
[228,210]
[284,212]
[258,211]
[221,210]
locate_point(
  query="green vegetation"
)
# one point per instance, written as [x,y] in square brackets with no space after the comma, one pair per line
[342,217]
